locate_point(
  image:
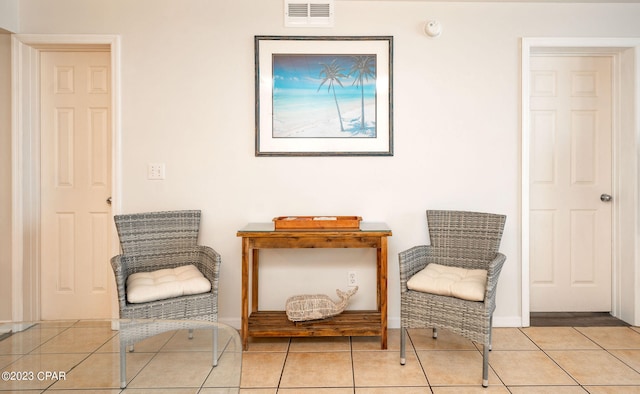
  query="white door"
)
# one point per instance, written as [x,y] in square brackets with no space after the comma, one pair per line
[571,128]
[75,185]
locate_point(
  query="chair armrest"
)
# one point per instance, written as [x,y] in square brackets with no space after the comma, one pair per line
[209,265]
[410,262]
[493,272]
[118,265]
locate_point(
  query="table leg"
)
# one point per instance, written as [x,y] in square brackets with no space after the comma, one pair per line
[255,261]
[382,281]
[245,293]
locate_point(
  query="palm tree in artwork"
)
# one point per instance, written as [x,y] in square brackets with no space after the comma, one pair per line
[362,68]
[331,74]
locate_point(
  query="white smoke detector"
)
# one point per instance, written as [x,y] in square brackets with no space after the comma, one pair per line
[432,28]
[310,13]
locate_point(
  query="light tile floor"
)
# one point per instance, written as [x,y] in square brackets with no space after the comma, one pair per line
[83,356]
[524,360]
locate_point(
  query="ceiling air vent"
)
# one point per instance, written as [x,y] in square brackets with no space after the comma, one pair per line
[310,13]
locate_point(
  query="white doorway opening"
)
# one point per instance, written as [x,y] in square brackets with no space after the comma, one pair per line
[626,87]
[26,189]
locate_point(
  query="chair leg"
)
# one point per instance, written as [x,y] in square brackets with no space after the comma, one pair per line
[485,366]
[123,366]
[490,332]
[191,333]
[215,346]
[435,332]
[403,343]
[485,355]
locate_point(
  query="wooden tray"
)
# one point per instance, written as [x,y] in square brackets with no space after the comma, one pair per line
[317,222]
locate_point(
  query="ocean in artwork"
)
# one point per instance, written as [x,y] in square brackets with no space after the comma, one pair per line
[324,96]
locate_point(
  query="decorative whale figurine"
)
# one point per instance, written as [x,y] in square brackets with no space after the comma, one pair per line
[317,306]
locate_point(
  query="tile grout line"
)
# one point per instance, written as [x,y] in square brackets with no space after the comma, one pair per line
[353,366]
[415,352]
[621,360]
[284,364]
[553,360]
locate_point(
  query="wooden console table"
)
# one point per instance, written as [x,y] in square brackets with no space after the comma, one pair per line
[256,236]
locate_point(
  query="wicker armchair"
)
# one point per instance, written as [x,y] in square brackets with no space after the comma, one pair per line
[158,240]
[468,240]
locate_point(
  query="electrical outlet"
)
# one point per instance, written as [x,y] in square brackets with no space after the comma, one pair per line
[155,171]
[352,279]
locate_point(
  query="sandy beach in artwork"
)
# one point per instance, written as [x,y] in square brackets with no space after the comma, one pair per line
[318,118]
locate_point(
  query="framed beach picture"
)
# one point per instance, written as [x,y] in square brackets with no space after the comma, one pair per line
[324,96]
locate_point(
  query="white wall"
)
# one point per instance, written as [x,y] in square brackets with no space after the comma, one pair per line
[5,176]
[9,15]
[188,101]
[8,23]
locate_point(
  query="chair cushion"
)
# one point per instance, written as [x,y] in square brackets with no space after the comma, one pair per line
[450,281]
[166,283]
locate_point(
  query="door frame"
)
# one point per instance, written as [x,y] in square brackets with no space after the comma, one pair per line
[25,152]
[625,53]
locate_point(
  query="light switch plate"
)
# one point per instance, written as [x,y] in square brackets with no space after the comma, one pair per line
[155,171]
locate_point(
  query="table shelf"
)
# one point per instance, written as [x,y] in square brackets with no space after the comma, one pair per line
[255,323]
[348,323]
